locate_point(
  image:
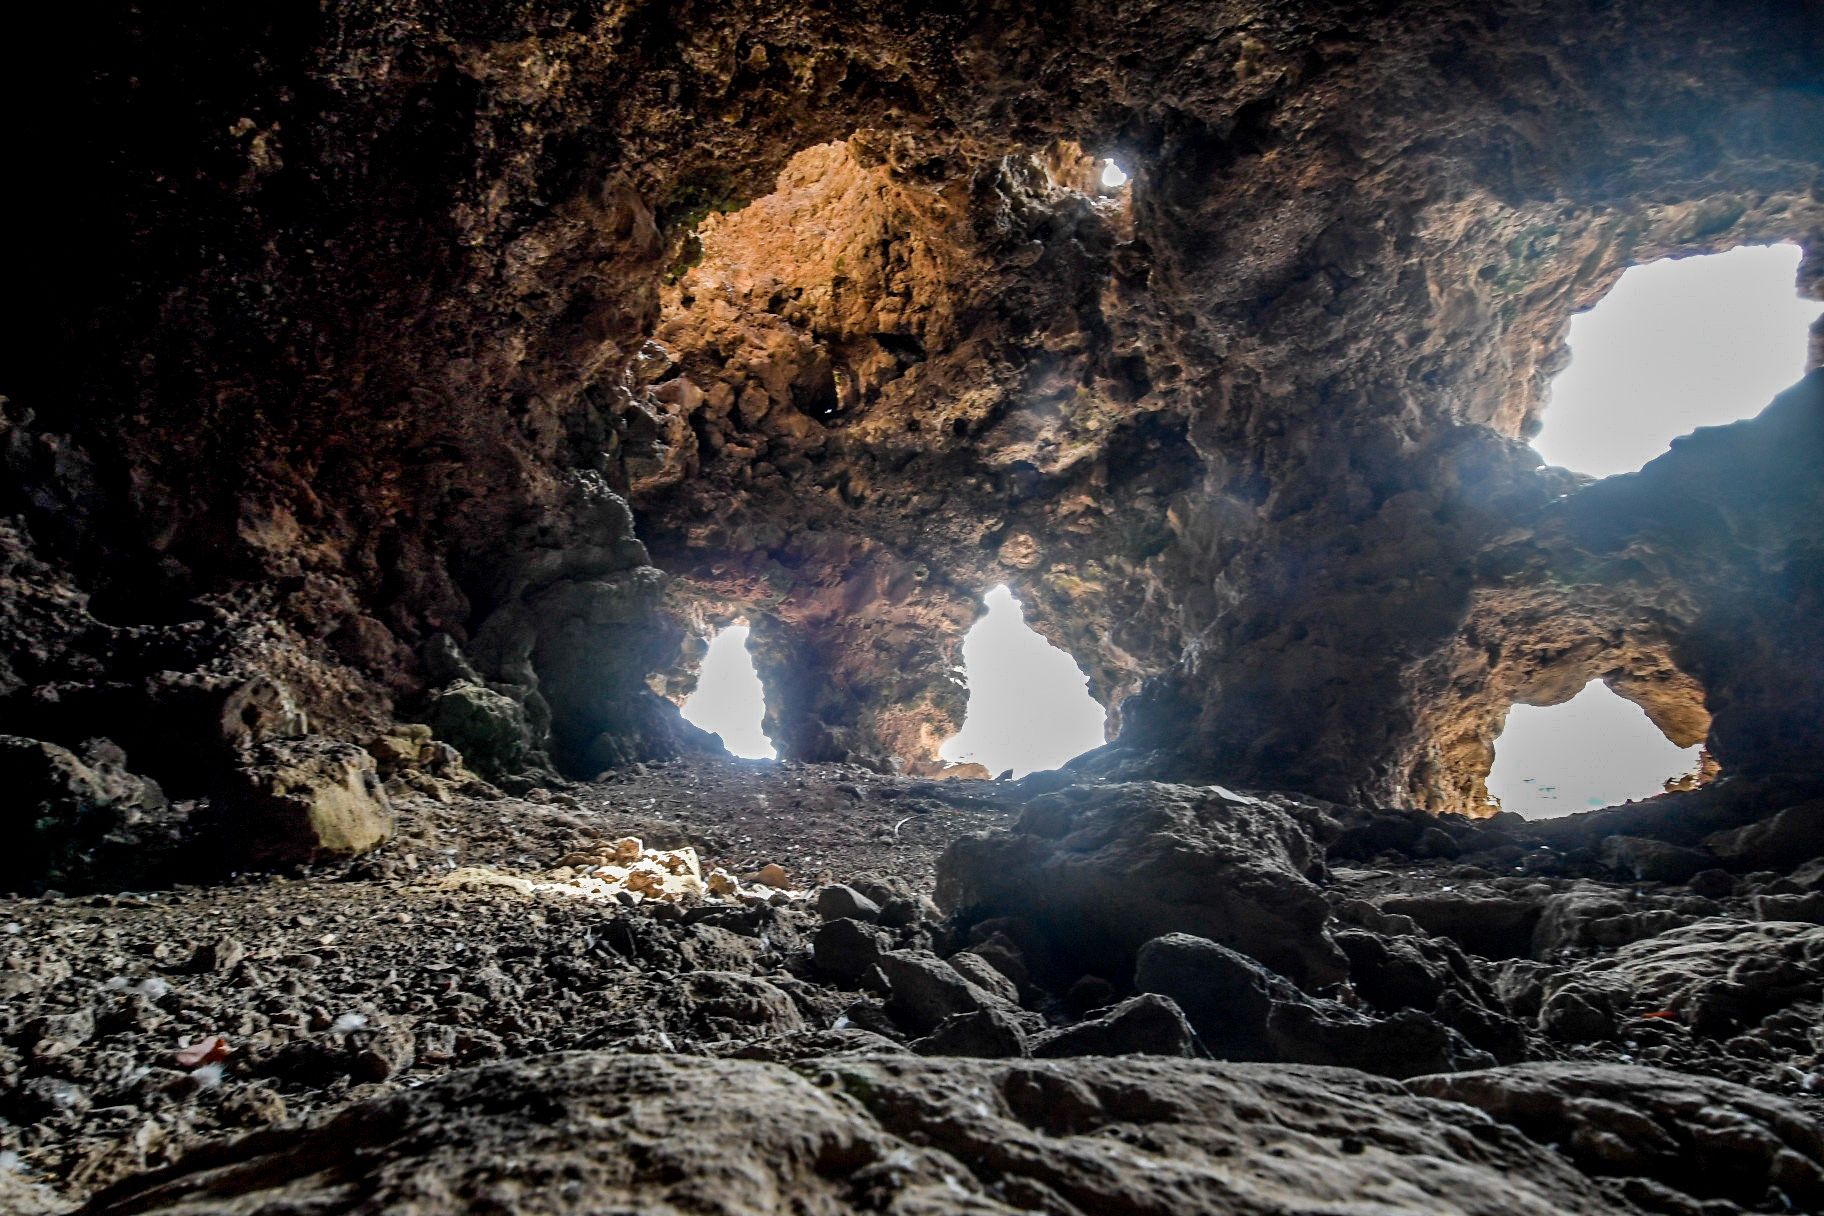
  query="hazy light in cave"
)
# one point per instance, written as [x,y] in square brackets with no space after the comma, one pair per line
[1676,345]
[1597,749]
[1113,176]
[728,699]
[1029,702]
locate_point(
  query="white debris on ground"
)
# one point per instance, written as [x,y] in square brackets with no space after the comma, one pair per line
[628,872]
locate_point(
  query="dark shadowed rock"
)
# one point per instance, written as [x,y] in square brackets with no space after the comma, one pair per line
[1781,842]
[1700,1137]
[1146,1025]
[740,1006]
[57,807]
[1492,926]
[987,1034]
[1242,1011]
[1431,975]
[978,971]
[1099,871]
[848,949]
[303,800]
[1646,860]
[837,902]
[489,728]
[923,990]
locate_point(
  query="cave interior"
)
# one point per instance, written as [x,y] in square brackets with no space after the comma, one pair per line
[406,394]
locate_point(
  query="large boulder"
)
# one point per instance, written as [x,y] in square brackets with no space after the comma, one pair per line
[1491,925]
[1100,870]
[57,807]
[1145,1025]
[596,1132]
[303,800]
[489,728]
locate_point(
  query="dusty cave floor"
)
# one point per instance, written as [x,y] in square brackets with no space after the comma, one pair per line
[335,986]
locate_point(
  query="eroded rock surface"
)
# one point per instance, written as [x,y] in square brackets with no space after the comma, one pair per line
[1098,872]
[596,1132]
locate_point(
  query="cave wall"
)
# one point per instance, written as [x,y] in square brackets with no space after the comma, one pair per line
[382,351]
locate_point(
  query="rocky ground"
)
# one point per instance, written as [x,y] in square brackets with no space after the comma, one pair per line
[1089,919]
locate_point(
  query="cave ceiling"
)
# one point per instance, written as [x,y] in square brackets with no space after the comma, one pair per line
[464,362]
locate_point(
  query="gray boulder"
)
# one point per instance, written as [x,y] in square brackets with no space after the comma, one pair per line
[1098,871]
[1695,1136]
[1146,1025]
[1779,843]
[923,990]
[59,807]
[1242,1011]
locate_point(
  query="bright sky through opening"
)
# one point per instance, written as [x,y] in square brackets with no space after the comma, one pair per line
[1029,702]
[1597,749]
[1676,345]
[728,699]
[1113,176]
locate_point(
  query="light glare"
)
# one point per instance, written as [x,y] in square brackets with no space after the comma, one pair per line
[1029,702]
[1595,750]
[1676,345]
[729,700]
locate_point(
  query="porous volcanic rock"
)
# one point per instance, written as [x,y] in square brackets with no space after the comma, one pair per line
[1243,1011]
[62,809]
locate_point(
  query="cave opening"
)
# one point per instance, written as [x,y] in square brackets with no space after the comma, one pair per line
[729,700]
[1675,345]
[1597,749]
[1029,704]
[1113,175]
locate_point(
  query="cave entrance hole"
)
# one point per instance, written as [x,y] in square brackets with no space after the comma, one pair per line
[1596,749]
[729,700]
[1675,345]
[1029,703]
[1113,176]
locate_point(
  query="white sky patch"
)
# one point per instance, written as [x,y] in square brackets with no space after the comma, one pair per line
[1676,345]
[1113,176]
[728,699]
[1029,702]
[1597,749]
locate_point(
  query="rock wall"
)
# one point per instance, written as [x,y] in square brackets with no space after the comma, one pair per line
[371,346]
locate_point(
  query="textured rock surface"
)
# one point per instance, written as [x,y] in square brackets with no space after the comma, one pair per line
[593,1133]
[304,800]
[62,810]
[1243,1011]
[1700,1138]
[440,950]
[1099,871]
